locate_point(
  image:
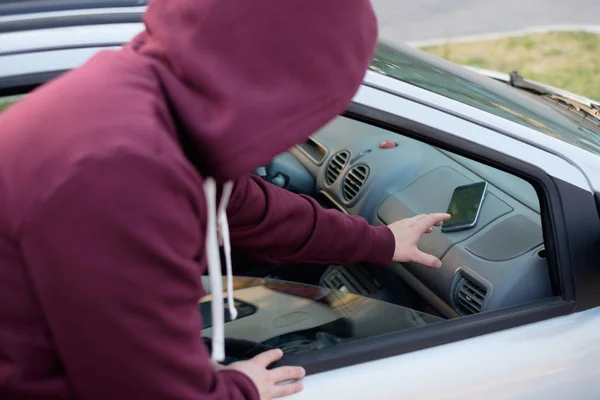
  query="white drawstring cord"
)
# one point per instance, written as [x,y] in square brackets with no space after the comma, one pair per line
[224,230]
[214,271]
[218,217]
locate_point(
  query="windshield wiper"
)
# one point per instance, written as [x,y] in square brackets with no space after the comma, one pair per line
[589,111]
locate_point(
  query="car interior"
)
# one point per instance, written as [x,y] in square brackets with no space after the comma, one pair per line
[495,260]
[357,168]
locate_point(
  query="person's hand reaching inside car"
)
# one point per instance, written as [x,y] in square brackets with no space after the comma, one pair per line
[407,233]
[271,384]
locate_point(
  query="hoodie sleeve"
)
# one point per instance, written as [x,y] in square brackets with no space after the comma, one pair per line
[112,254]
[274,225]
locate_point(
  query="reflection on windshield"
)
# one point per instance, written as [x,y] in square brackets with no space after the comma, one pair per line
[299,318]
[431,73]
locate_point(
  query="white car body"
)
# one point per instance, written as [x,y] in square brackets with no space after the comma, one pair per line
[553,358]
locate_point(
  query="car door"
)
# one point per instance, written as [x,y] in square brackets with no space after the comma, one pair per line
[539,350]
[553,359]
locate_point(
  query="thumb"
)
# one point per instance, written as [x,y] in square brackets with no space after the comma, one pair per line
[427,259]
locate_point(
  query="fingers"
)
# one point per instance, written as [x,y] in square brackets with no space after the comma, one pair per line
[435,219]
[268,357]
[427,260]
[287,373]
[432,219]
[286,389]
[426,221]
[271,384]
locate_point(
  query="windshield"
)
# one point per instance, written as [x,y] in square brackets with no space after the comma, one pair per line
[432,73]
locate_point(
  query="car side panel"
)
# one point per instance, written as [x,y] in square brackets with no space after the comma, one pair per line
[553,359]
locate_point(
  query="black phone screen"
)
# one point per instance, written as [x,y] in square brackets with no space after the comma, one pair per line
[465,205]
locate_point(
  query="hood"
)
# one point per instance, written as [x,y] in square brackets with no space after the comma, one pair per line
[247,80]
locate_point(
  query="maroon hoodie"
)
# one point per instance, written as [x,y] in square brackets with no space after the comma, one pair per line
[103,214]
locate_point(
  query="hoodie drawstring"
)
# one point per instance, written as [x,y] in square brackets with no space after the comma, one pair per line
[218,218]
[223,225]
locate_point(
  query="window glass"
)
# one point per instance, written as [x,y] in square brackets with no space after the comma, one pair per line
[304,308]
[299,318]
[431,73]
[496,261]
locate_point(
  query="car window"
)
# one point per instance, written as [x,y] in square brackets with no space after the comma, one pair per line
[493,261]
[429,72]
[299,318]
[498,263]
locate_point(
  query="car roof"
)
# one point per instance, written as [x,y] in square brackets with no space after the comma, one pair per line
[14,7]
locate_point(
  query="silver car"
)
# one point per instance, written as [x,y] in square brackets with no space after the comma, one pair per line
[514,311]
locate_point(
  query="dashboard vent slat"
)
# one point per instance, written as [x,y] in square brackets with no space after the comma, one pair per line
[354,181]
[336,165]
[469,295]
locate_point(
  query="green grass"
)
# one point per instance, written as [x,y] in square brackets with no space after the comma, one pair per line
[4,105]
[8,101]
[566,60]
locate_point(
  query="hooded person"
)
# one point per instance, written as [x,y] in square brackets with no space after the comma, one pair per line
[118,179]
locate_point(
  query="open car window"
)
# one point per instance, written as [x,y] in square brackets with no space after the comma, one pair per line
[494,263]
[300,318]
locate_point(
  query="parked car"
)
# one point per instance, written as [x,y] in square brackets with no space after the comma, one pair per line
[513,313]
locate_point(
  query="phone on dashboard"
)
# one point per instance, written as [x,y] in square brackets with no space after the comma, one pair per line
[465,207]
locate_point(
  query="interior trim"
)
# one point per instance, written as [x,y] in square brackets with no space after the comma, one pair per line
[330,198]
[317,162]
[428,295]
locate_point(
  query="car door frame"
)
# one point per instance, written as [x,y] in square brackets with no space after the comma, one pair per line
[418,121]
[372,369]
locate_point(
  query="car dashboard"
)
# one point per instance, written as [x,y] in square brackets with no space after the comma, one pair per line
[382,176]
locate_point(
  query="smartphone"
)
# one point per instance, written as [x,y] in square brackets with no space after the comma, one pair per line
[465,206]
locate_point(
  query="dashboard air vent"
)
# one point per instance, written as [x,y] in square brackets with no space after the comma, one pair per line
[336,165]
[354,181]
[469,295]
